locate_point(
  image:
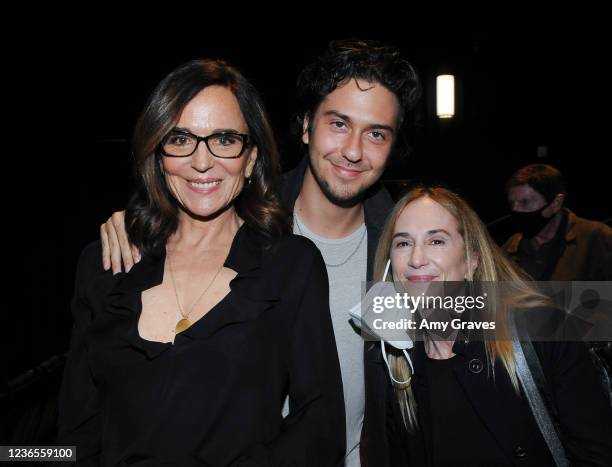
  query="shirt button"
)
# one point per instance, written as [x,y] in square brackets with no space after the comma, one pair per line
[475,365]
[520,452]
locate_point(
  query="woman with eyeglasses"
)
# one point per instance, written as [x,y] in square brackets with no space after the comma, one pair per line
[188,358]
[461,396]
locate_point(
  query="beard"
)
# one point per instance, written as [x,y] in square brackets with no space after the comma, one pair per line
[343,195]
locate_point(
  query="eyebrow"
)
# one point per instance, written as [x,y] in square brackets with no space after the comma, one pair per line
[216,130]
[372,126]
[429,232]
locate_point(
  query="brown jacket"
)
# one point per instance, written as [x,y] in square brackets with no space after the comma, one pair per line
[586,253]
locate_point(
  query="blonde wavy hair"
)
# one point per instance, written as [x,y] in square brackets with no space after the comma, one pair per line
[493,267]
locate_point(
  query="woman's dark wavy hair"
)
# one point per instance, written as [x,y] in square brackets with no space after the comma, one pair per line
[371,61]
[152,213]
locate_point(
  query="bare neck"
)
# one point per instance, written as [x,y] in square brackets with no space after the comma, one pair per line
[196,235]
[324,217]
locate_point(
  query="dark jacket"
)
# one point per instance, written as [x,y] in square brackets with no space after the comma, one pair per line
[377,204]
[585,251]
[584,411]
[214,396]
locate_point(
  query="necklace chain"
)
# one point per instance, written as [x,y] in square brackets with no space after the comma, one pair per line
[178,302]
[342,263]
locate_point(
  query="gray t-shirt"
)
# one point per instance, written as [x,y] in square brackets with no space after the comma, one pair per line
[346,261]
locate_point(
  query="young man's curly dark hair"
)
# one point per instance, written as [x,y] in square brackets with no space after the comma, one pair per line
[370,61]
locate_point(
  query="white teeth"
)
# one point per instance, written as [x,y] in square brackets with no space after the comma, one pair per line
[205,185]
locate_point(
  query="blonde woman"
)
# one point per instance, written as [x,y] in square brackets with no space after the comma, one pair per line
[459,401]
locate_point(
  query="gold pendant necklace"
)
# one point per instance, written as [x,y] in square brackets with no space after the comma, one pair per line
[184,323]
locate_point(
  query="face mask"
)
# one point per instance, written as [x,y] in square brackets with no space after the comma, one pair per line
[356,316]
[529,223]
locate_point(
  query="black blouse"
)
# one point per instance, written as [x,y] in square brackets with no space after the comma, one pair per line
[214,396]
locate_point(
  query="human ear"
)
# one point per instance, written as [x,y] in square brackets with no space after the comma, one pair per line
[305,132]
[474,262]
[558,202]
[251,163]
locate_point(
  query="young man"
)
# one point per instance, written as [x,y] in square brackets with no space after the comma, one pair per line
[353,104]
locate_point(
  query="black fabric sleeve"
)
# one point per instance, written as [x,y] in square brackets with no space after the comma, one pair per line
[585,416]
[79,409]
[314,431]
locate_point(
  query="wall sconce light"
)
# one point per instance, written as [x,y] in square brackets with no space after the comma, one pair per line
[445,96]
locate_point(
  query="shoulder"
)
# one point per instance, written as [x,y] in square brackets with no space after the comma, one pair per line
[297,252]
[292,268]
[92,284]
[252,248]
[377,204]
[298,243]
[589,228]
[89,268]
[90,250]
[539,313]
[552,332]
[90,261]
[553,324]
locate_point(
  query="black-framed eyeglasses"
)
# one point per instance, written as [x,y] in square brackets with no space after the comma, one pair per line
[226,145]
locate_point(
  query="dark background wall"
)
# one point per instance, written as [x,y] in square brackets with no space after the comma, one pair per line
[516,92]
